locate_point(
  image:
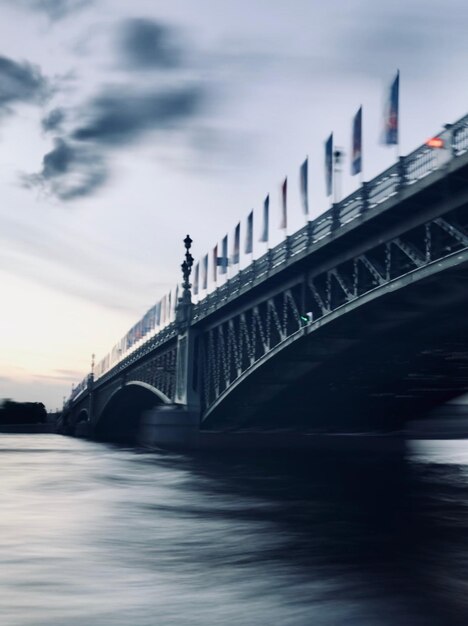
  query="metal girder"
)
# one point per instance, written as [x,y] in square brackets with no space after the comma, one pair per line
[452,230]
[372,269]
[248,336]
[349,295]
[411,251]
[273,313]
[318,298]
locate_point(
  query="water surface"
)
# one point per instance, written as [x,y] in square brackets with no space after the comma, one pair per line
[92,534]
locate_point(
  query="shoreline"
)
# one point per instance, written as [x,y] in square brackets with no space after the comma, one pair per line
[25,429]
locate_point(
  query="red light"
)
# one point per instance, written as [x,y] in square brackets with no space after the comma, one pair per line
[435,142]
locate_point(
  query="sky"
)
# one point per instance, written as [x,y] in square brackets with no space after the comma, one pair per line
[126,125]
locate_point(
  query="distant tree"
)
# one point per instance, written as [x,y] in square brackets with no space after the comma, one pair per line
[22,412]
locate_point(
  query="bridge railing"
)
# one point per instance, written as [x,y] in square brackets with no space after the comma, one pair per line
[79,388]
[383,187]
[353,206]
[460,137]
[156,340]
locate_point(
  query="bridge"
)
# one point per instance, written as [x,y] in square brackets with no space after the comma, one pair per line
[356,322]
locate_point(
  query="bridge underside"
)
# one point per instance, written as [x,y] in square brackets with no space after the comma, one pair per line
[370,369]
[120,419]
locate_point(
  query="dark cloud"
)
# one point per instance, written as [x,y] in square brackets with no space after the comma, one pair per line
[77,164]
[21,82]
[69,171]
[53,120]
[147,44]
[54,9]
[120,117]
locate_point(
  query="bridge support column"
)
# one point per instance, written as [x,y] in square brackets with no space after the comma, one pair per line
[186,387]
[177,426]
[91,398]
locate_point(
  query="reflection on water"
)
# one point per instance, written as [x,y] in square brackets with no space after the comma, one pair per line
[97,535]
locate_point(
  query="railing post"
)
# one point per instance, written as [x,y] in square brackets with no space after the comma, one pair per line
[364,198]
[401,168]
[452,130]
[335,216]
[253,266]
[310,233]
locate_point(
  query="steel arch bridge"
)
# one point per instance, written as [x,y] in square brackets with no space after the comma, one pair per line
[355,322]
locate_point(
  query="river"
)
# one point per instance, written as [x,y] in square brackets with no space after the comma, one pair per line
[97,535]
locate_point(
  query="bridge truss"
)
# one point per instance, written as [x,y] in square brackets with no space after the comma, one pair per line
[236,344]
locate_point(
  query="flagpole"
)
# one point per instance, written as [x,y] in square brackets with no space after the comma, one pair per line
[398,117]
[306,192]
[337,156]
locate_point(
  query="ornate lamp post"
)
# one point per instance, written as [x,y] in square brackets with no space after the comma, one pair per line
[184,306]
[186,271]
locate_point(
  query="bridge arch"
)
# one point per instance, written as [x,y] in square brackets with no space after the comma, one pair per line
[120,418]
[369,364]
[82,416]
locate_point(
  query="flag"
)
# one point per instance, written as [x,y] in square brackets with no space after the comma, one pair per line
[147,322]
[236,246]
[152,317]
[215,263]
[163,310]
[266,219]
[205,272]
[304,184]
[391,113]
[249,234]
[158,314]
[176,299]
[356,148]
[284,204]
[223,260]
[329,165]
[196,279]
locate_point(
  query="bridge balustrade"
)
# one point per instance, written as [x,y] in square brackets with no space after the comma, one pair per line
[322,226]
[298,242]
[383,186]
[352,207]
[460,137]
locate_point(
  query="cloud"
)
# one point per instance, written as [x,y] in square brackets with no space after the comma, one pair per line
[147,44]
[77,164]
[53,120]
[68,171]
[119,117]
[54,9]
[21,82]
